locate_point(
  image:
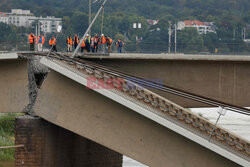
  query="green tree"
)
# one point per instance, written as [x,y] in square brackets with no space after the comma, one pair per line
[190,41]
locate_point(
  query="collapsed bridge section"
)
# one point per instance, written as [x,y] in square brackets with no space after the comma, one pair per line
[135,122]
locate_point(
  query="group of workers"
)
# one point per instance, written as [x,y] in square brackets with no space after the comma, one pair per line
[93,44]
[89,44]
[40,42]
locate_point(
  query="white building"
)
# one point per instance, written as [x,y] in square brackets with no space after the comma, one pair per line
[47,24]
[202,27]
[25,18]
[4,18]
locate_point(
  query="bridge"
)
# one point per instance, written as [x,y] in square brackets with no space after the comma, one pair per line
[151,126]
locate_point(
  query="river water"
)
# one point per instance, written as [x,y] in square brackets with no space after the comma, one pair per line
[234,122]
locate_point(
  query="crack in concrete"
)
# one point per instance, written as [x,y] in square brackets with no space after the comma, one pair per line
[36,75]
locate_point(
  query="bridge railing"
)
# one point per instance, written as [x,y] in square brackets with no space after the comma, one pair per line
[191,48]
[146,47]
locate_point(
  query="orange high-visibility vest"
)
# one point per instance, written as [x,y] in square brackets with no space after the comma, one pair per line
[96,40]
[52,41]
[83,44]
[43,40]
[32,38]
[109,41]
[118,43]
[69,41]
[103,40]
[76,40]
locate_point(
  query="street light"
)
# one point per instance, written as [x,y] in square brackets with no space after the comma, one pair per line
[169,37]
[137,26]
[90,1]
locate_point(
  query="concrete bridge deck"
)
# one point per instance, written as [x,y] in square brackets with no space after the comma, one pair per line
[220,77]
[186,57]
[148,137]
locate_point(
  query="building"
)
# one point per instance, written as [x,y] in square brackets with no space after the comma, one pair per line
[247,31]
[246,34]
[152,22]
[47,24]
[202,27]
[24,18]
[4,18]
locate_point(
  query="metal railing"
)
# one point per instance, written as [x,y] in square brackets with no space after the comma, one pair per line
[144,47]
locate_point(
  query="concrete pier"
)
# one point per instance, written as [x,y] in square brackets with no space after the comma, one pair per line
[47,145]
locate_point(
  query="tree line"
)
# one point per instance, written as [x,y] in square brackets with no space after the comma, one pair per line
[230,17]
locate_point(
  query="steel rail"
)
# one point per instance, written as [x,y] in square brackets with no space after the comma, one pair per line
[141,81]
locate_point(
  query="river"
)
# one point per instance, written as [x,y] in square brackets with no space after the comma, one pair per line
[234,122]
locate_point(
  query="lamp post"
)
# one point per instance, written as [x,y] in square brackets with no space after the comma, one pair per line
[137,26]
[90,17]
[169,37]
[175,38]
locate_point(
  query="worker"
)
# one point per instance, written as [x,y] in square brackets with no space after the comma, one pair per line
[119,45]
[109,43]
[103,42]
[40,42]
[32,39]
[52,43]
[76,41]
[92,46]
[87,42]
[96,43]
[82,46]
[69,43]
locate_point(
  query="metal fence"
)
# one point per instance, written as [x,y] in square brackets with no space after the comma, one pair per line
[145,47]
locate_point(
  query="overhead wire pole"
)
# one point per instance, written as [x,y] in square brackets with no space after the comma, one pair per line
[102,20]
[169,37]
[175,39]
[90,15]
[35,44]
[93,21]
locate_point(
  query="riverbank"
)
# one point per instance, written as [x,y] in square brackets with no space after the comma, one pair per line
[7,131]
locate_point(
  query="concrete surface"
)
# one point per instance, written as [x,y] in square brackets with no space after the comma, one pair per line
[138,56]
[227,81]
[13,85]
[8,56]
[108,123]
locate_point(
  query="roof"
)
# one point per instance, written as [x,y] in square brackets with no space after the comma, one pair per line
[193,22]
[2,14]
[152,22]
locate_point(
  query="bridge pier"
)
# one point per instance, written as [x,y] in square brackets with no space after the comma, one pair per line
[13,85]
[47,145]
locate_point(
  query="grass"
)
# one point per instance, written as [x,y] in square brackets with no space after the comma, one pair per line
[7,130]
